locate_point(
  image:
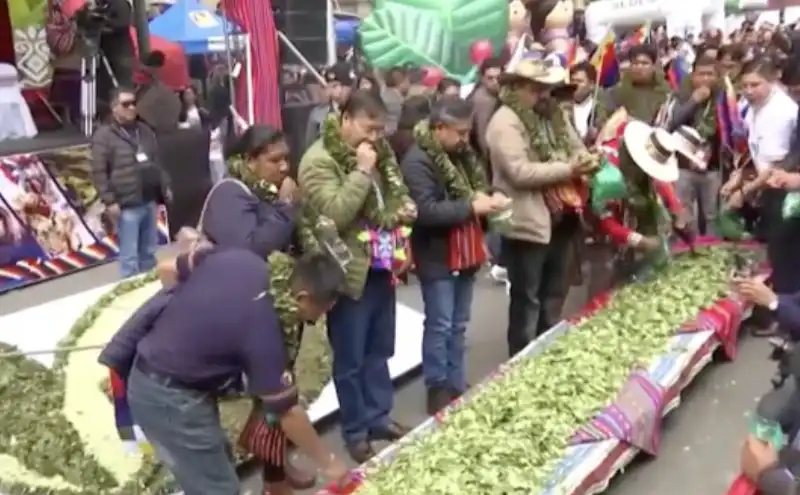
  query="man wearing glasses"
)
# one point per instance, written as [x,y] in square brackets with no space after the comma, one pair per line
[130,181]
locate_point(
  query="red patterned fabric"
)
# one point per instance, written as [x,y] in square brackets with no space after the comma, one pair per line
[255,18]
[723,318]
[466,247]
[570,196]
[266,442]
[742,486]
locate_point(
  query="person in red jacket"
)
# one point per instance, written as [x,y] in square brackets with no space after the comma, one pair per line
[635,222]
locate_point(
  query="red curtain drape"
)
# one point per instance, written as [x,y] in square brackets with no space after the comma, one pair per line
[255,18]
[6,35]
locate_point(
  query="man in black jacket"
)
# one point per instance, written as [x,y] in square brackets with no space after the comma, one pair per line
[130,182]
[448,184]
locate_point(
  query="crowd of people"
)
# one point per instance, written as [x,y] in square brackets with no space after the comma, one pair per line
[442,186]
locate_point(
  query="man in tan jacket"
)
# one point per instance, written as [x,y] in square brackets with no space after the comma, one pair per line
[533,149]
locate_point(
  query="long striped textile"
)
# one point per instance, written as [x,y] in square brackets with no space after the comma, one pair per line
[133,440]
[634,417]
[255,18]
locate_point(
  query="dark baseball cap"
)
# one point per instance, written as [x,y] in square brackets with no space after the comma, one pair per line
[341,73]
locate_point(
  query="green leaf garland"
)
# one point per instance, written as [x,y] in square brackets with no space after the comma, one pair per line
[463,180]
[548,132]
[394,190]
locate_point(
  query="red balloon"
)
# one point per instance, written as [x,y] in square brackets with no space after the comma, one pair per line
[480,51]
[431,76]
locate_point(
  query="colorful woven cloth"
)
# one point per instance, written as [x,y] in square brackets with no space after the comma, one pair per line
[387,248]
[633,418]
[129,432]
[723,318]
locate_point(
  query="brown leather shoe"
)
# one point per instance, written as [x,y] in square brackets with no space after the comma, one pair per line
[297,477]
[392,432]
[361,451]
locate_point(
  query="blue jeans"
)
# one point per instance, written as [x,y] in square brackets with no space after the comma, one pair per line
[184,429]
[448,303]
[495,244]
[361,333]
[138,239]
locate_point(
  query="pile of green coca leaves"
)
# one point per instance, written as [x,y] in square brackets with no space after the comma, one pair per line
[512,434]
[39,436]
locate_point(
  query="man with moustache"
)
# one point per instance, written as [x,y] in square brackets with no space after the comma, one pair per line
[352,176]
[536,158]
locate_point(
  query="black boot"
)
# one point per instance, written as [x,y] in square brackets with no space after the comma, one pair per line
[438,398]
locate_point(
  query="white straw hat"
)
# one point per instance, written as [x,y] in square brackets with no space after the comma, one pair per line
[691,145]
[653,150]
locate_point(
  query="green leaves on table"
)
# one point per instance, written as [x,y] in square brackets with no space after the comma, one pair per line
[513,434]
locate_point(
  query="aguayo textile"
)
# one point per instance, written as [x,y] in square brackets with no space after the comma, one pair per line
[632,423]
[51,219]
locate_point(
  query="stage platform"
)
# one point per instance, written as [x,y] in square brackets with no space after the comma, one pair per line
[45,141]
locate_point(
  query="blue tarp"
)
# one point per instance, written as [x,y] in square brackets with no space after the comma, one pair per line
[346,31]
[193,26]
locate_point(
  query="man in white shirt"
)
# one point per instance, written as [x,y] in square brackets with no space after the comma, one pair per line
[770,126]
[584,77]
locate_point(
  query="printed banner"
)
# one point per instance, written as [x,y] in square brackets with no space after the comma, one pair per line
[51,221]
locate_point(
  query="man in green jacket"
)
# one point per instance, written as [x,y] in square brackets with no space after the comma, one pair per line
[351,176]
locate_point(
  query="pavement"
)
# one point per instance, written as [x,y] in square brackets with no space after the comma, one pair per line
[700,440]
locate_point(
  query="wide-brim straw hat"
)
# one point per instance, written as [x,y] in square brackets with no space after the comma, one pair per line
[537,71]
[691,145]
[653,150]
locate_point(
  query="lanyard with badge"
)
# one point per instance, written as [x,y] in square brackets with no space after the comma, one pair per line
[135,140]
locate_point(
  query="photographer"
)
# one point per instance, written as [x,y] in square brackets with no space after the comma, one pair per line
[776,473]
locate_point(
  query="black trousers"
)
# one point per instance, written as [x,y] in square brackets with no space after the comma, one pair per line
[539,285]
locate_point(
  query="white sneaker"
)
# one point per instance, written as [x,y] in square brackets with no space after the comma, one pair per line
[498,274]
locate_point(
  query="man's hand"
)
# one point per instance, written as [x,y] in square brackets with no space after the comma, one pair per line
[755,291]
[288,191]
[581,166]
[500,200]
[728,188]
[781,179]
[680,220]
[482,204]
[701,94]
[735,201]
[757,457]
[113,211]
[366,157]
[408,212]
[336,471]
[649,244]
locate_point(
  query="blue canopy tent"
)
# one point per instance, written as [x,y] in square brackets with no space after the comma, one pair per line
[199,30]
